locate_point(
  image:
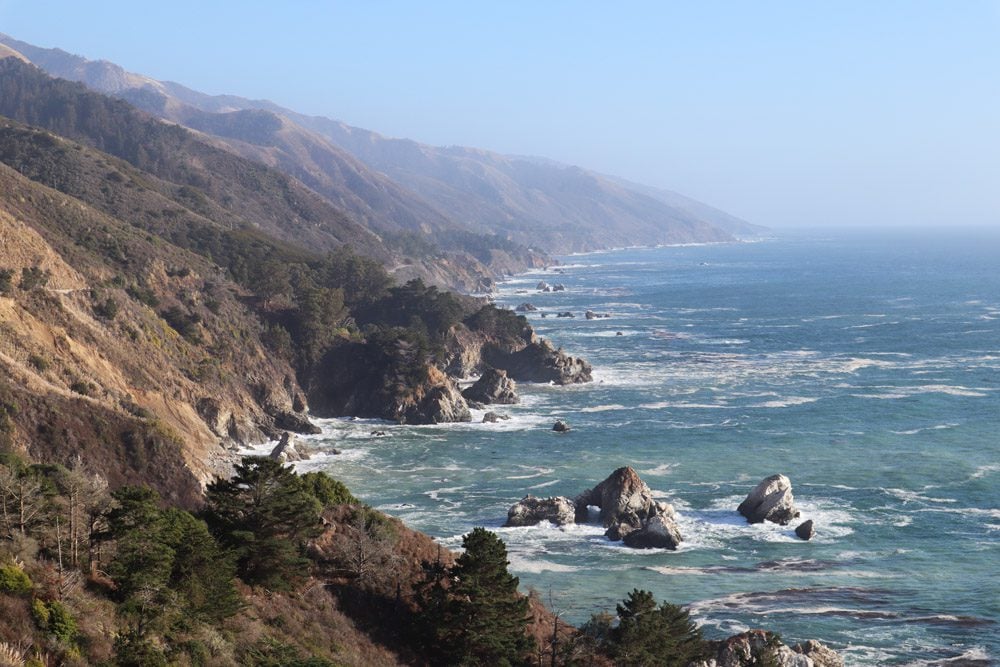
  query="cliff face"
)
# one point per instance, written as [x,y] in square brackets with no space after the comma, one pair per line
[134,356]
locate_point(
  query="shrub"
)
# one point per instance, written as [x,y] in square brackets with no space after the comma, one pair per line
[6,281]
[327,490]
[40,363]
[33,277]
[14,580]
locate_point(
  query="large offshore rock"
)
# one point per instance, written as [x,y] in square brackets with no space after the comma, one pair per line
[628,508]
[531,510]
[493,387]
[771,500]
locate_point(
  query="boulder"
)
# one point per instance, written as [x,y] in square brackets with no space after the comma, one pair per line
[542,286]
[805,530]
[659,532]
[526,308]
[565,314]
[771,500]
[558,287]
[560,426]
[530,510]
[492,387]
[590,315]
[286,451]
[821,656]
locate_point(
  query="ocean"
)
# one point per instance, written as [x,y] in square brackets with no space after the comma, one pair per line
[861,364]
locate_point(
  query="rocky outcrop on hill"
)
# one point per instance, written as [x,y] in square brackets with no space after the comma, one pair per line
[540,362]
[627,506]
[493,387]
[771,500]
[531,510]
[289,450]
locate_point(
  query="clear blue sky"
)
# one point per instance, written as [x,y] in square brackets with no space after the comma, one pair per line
[785,113]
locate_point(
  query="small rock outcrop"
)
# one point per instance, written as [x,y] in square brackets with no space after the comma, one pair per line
[540,362]
[492,387]
[558,287]
[659,532]
[560,426]
[290,421]
[771,500]
[565,314]
[526,308]
[531,510]
[821,655]
[494,417]
[755,647]
[805,530]
[543,286]
[627,506]
[439,403]
[287,451]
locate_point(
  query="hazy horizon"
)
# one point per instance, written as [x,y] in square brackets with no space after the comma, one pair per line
[782,114]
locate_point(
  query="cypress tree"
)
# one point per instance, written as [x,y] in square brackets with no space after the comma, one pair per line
[485,618]
[264,515]
[648,635]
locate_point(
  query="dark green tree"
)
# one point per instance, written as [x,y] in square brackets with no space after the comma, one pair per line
[202,575]
[484,618]
[142,562]
[653,636]
[264,515]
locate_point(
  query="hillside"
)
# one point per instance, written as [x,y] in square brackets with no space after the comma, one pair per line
[535,203]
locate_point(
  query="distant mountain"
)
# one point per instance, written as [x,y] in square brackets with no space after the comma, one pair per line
[401,184]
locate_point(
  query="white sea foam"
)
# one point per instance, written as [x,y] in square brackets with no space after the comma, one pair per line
[936,427]
[662,469]
[544,484]
[785,402]
[536,472]
[908,496]
[536,565]
[605,408]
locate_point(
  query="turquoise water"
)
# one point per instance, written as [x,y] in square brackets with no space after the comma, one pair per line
[864,366]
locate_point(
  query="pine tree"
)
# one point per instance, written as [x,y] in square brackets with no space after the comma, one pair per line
[485,617]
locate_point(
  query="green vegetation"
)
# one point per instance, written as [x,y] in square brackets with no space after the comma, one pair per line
[14,580]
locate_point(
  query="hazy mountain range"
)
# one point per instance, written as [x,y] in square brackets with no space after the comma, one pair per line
[398,185]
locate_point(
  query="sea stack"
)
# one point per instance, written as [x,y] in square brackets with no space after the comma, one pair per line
[771,500]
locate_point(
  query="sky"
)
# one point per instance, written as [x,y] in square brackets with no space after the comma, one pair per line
[866,112]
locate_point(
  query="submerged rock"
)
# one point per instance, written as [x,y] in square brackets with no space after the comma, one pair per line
[805,530]
[494,417]
[531,510]
[771,500]
[565,314]
[560,426]
[492,387]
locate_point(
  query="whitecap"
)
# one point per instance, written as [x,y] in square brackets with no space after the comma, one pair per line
[605,408]
[662,469]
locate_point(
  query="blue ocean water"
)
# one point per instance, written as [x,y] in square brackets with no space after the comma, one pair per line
[863,365]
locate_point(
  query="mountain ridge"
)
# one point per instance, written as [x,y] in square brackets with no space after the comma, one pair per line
[551,207]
